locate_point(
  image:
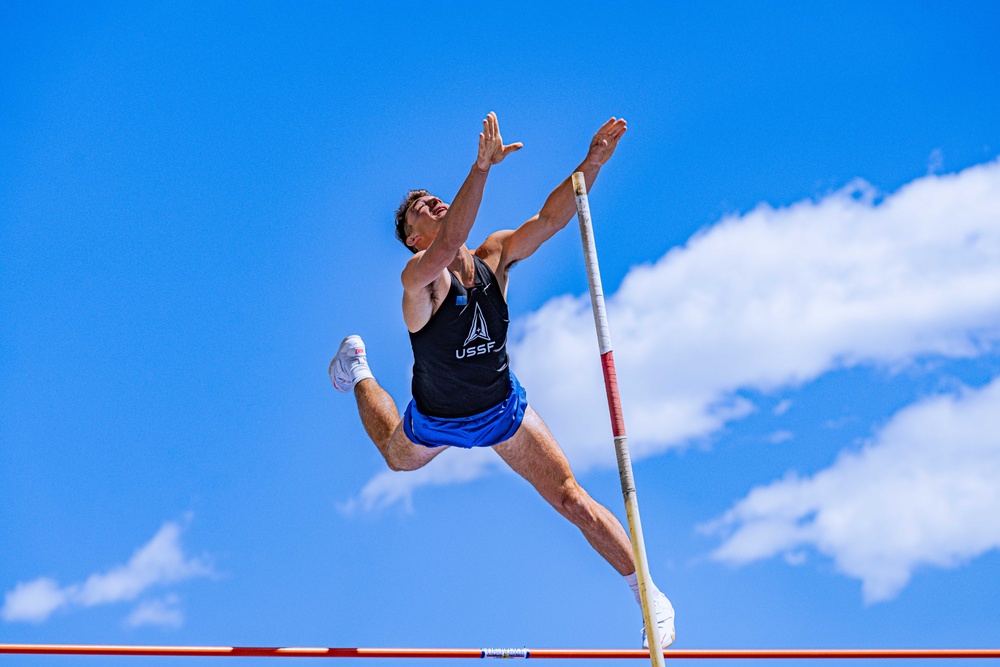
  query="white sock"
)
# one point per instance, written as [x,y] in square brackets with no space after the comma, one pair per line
[360,370]
[633,582]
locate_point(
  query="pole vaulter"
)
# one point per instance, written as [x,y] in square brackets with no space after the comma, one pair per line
[465,394]
[617,418]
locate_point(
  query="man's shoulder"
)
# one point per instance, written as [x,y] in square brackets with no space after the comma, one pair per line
[493,246]
[491,250]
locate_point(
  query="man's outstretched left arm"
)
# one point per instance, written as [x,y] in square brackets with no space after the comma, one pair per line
[561,204]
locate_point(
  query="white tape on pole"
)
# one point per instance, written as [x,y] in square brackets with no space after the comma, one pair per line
[593,270]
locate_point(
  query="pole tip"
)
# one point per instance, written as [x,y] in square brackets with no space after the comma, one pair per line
[579,184]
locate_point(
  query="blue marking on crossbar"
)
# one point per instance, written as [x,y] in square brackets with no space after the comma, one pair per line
[505,653]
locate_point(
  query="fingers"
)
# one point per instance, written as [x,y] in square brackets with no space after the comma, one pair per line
[491,143]
[618,129]
[491,128]
[496,130]
[607,125]
[603,145]
[611,136]
[613,128]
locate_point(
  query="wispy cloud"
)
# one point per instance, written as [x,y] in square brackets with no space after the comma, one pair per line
[923,492]
[35,601]
[162,612]
[768,300]
[779,437]
[935,161]
[782,407]
[450,467]
[159,562]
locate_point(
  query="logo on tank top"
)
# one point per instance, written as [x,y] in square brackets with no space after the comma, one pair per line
[479,331]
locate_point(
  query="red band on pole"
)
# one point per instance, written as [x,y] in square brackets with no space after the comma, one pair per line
[611,386]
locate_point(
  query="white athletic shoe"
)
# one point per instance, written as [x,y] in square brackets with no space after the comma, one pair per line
[350,366]
[664,612]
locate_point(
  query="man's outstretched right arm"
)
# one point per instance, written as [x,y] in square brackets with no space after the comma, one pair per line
[425,267]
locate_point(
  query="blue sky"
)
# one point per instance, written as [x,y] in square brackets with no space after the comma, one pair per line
[799,237]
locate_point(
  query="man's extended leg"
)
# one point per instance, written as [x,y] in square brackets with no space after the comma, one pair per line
[534,454]
[379,415]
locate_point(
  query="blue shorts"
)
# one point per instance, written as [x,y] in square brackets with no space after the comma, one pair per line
[488,428]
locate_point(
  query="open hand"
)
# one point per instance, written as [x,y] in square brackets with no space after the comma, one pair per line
[603,145]
[491,148]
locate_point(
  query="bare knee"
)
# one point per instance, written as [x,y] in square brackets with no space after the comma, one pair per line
[402,465]
[576,504]
[402,456]
[398,461]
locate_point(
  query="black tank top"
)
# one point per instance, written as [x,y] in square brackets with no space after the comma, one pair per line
[460,355]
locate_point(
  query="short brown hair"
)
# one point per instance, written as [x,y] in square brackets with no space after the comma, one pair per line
[404,206]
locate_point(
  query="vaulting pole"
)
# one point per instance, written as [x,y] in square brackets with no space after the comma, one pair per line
[557,653]
[617,419]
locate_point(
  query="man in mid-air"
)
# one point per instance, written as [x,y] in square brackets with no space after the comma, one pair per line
[464,394]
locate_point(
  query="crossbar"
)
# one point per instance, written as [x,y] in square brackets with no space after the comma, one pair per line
[602,654]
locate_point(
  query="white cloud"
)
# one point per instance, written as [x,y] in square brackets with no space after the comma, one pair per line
[935,161]
[767,300]
[450,467]
[34,601]
[923,492]
[163,613]
[159,562]
[779,437]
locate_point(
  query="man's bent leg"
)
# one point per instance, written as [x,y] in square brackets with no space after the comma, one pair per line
[384,426]
[534,454]
[349,370]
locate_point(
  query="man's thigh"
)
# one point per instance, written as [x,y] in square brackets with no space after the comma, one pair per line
[534,454]
[403,454]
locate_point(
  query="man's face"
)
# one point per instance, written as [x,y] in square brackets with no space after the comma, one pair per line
[423,219]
